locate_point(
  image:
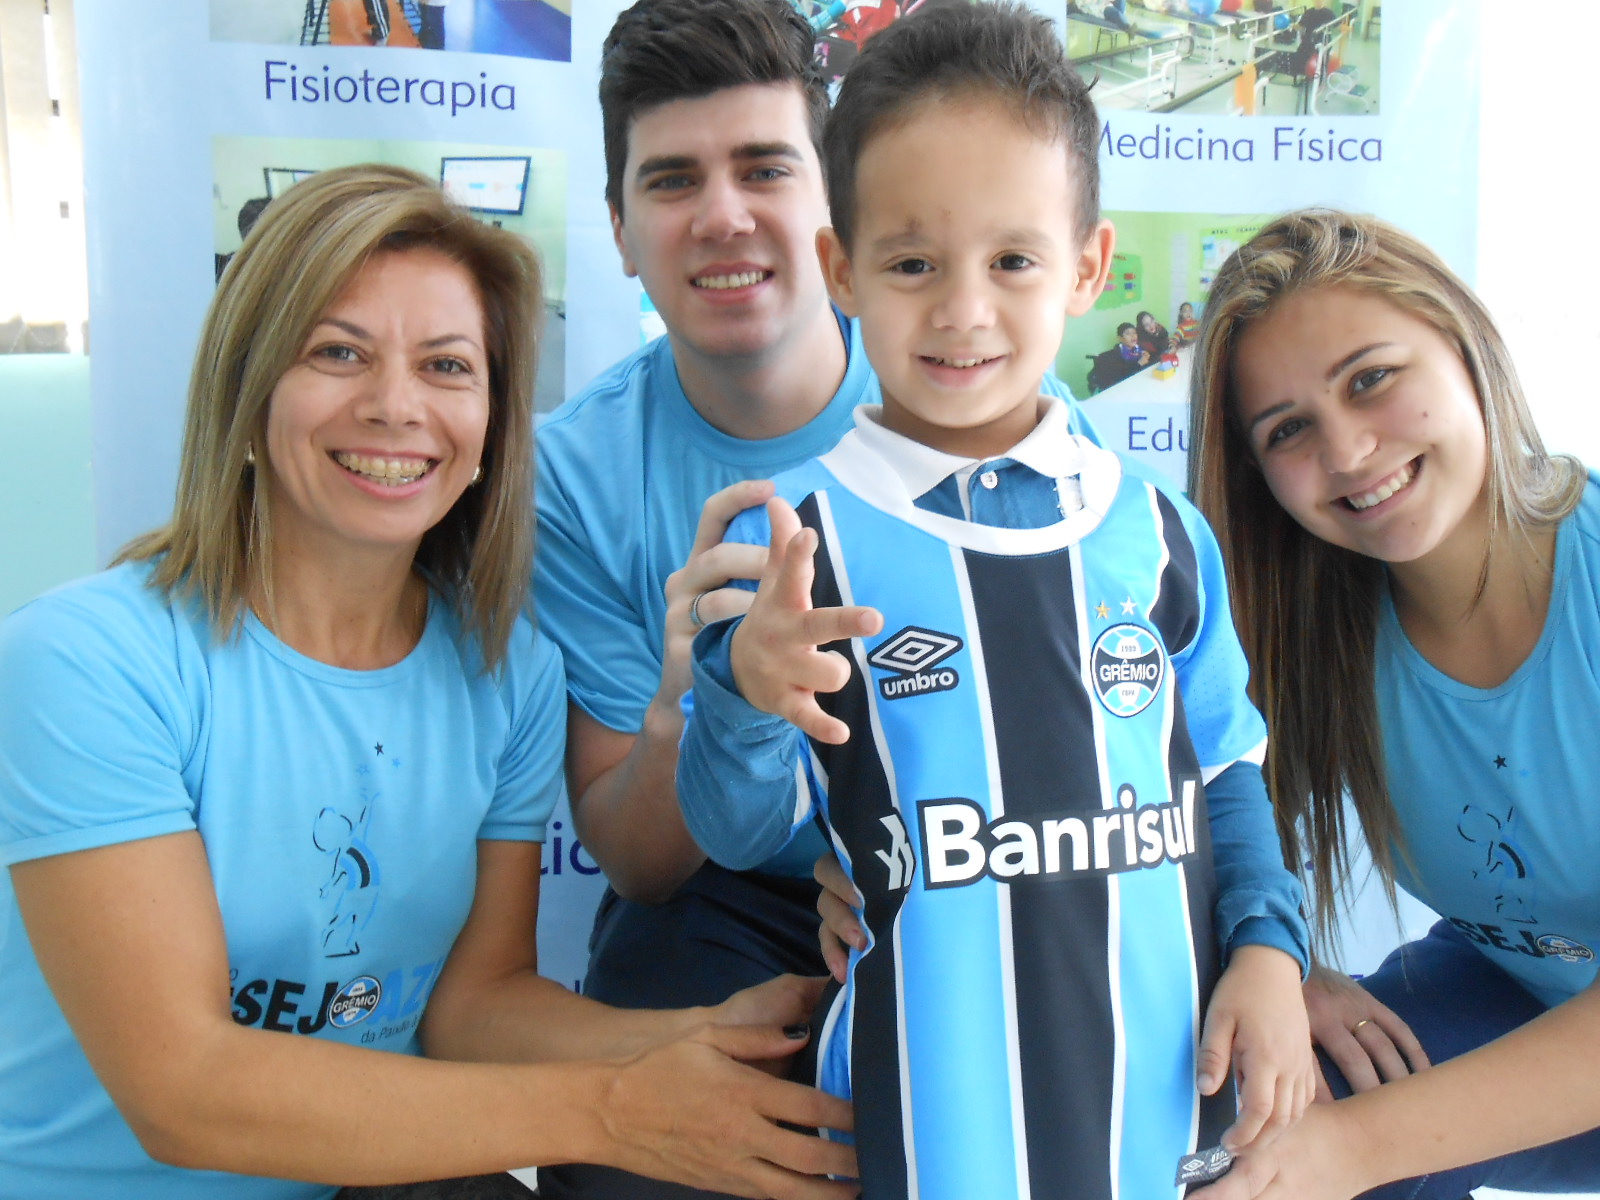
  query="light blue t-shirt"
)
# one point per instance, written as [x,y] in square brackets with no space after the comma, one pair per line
[340,810]
[1495,787]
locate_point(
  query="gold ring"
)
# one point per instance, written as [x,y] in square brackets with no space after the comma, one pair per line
[695,618]
[1359,1024]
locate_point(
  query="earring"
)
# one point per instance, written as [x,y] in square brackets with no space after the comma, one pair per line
[477,475]
[249,455]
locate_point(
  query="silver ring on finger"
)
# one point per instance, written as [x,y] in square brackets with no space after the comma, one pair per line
[695,618]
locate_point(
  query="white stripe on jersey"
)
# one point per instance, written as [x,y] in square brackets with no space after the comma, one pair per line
[997,808]
[858,648]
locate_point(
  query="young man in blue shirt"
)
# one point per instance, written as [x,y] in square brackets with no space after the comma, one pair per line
[712,112]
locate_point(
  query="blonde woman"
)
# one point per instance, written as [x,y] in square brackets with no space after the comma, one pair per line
[272,788]
[1417,585]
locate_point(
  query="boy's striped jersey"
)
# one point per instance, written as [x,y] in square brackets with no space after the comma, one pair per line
[1021,805]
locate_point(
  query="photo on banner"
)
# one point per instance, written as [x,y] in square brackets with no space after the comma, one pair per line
[844,28]
[1146,317]
[1230,57]
[539,29]
[522,189]
[1128,358]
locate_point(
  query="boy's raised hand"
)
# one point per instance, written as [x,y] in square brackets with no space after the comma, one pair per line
[1257,1020]
[777,663]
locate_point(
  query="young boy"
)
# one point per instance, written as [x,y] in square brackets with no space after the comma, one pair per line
[1009,668]
[1128,343]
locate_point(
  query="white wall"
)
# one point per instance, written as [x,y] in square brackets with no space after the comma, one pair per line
[1538,257]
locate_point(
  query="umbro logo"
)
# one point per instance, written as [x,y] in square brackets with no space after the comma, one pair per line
[1205,1166]
[912,658]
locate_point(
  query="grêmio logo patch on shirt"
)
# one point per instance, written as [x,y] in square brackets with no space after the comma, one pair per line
[1128,666]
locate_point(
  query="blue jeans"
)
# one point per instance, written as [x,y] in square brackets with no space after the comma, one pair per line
[1456,1000]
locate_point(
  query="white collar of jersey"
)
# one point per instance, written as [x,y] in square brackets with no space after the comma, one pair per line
[1049,449]
[887,471]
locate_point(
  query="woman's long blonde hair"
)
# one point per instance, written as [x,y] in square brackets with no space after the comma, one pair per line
[301,255]
[1307,610]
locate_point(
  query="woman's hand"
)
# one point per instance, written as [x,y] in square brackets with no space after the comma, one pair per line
[1366,1040]
[1315,1159]
[788,1000]
[1258,1020]
[837,905]
[690,1113]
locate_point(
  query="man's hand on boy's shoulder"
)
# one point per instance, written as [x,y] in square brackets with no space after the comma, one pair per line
[1257,1022]
[778,664]
[701,591]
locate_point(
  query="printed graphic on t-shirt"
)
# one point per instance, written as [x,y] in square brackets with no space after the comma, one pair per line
[1498,860]
[350,893]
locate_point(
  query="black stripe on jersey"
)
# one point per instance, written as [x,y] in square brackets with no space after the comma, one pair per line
[1039,704]
[1176,613]
[856,821]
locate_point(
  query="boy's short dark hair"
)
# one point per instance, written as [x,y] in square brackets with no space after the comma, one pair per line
[664,50]
[1001,49]
[1126,327]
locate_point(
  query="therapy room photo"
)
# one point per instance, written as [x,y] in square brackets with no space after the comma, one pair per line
[1230,57]
[1136,342]
[521,28]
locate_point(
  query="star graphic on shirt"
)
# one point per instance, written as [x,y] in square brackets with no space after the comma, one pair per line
[1101,611]
[377,747]
[1499,761]
[363,769]
[394,762]
[1128,607]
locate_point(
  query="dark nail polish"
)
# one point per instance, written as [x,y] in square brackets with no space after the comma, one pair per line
[797,1031]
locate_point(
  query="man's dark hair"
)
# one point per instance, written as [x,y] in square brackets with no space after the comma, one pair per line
[249,213]
[1002,50]
[664,50]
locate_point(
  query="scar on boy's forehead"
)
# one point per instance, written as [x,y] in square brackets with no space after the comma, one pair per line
[908,237]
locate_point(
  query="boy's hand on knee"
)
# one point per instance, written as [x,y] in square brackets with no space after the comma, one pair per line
[777,662]
[1257,1021]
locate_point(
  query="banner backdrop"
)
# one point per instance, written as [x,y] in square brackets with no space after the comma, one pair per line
[1216,116]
